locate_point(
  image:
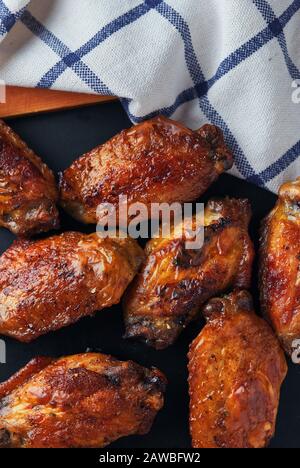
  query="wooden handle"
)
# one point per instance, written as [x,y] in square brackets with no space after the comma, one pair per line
[23,101]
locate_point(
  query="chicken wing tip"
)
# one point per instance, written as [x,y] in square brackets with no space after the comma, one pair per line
[231,303]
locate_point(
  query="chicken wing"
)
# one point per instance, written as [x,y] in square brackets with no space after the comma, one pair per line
[236,368]
[158,161]
[27,188]
[50,283]
[86,400]
[174,281]
[280,266]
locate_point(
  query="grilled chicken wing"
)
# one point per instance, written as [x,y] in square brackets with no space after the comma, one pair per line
[158,161]
[86,400]
[236,368]
[27,188]
[280,266]
[175,281]
[50,283]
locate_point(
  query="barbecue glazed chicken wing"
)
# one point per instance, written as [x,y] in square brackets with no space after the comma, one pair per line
[27,188]
[280,266]
[175,281]
[236,368]
[87,400]
[158,161]
[50,283]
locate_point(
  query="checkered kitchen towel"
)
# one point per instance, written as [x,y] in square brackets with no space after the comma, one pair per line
[235,63]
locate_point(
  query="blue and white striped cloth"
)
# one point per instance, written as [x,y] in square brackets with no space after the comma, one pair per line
[235,63]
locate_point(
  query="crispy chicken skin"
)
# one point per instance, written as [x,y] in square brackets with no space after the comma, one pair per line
[236,368]
[159,160]
[280,265]
[48,284]
[27,188]
[86,400]
[174,282]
